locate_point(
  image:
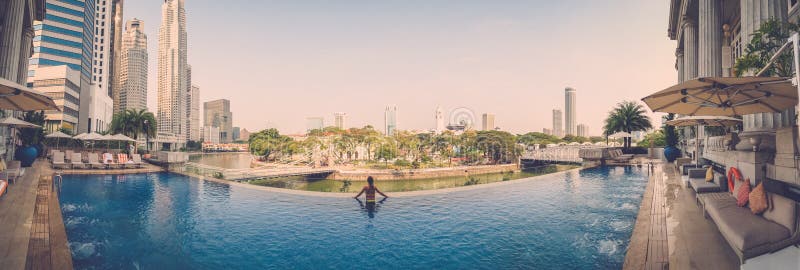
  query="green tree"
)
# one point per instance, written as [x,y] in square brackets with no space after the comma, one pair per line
[134,123]
[33,136]
[627,116]
[532,138]
[656,139]
[764,43]
[269,143]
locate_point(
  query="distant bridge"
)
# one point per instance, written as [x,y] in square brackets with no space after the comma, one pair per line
[246,174]
[563,154]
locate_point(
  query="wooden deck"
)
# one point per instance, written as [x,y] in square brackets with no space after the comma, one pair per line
[648,247]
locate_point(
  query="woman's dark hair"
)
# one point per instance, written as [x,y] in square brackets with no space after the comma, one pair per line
[370,181]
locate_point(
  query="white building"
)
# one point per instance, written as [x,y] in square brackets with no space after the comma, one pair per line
[172,70]
[583,130]
[488,121]
[558,124]
[95,115]
[440,126]
[390,120]
[194,114]
[211,135]
[62,84]
[570,115]
[314,123]
[132,94]
[340,120]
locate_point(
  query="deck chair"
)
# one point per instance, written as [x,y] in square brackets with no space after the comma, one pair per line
[76,162]
[122,159]
[15,170]
[137,160]
[68,155]
[58,160]
[94,162]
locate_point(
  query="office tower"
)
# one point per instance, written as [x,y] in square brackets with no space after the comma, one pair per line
[547,131]
[558,125]
[132,94]
[117,31]
[236,134]
[97,108]
[488,121]
[211,134]
[64,38]
[218,114]
[314,123]
[172,69]
[244,135]
[583,130]
[569,111]
[340,120]
[194,114]
[440,126]
[390,120]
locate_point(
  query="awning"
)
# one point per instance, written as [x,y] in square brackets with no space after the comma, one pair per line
[715,121]
[20,98]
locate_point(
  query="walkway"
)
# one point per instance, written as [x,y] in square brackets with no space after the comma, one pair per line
[33,235]
[671,232]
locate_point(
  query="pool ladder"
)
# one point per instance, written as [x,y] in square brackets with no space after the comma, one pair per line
[57,180]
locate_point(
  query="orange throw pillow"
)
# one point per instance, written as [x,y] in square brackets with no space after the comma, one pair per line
[758,199]
[744,194]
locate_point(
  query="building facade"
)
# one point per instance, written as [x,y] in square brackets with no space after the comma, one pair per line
[488,121]
[558,124]
[390,120]
[211,135]
[132,94]
[570,114]
[172,69]
[340,120]
[244,135]
[314,123]
[439,115]
[236,133]
[194,114]
[217,113]
[547,131]
[582,130]
[65,38]
[61,83]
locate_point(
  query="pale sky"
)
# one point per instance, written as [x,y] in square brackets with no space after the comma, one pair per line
[279,62]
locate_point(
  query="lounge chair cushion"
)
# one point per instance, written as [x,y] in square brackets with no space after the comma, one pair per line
[710,174]
[697,173]
[701,186]
[758,200]
[719,202]
[743,195]
[782,211]
[744,230]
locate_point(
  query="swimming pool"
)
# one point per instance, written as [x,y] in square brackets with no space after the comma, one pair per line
[575,220]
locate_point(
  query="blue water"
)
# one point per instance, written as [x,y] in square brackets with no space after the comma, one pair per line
[577,220]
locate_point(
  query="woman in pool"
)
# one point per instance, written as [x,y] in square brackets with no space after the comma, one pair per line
[370,190]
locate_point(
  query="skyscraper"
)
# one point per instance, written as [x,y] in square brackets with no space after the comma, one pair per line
[569,111]
[97,108]
[558,124]
[583,130]
[488,121]
[64,38]
[132,93]
[440,127]
[172,69]
[340,120]
[194,114]
[390,119]
[218,114]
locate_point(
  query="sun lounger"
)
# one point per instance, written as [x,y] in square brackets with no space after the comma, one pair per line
[58,160]
[137,160]
[76,162]
[68,155]
[3,187]
[697,181]
[94,162]
[122,159]
[14,170]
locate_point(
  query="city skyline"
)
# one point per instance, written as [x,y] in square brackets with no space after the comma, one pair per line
[499,64]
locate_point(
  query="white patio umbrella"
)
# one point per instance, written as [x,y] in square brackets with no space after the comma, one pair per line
[122,138]
[621,134]
[14,96]
[89,137]
[58,135]
[700,121]
[14,122]
[725,96]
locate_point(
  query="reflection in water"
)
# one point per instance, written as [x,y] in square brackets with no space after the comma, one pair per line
[224,160]
[371,208]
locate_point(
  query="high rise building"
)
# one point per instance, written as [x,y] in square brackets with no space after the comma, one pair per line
[315,123]
[172,70]
[488,121]
[218,114]
[583,130]
[194,114]
[96,108]
[569,111]
[64,38]
[390,119]
[547,131]
[132,93]
[236,133]
[558,124]
[244,135]
[211,134]
[117,31]
[440,126]
[340,120]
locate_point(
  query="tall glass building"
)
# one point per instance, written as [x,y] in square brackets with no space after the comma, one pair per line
[64,38]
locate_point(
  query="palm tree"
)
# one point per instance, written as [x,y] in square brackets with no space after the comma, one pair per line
[133,123]
[627,116]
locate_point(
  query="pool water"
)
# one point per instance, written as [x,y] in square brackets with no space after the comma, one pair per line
[574,220]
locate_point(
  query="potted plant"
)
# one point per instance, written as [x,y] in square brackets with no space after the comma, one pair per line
[31,139]
[671,152]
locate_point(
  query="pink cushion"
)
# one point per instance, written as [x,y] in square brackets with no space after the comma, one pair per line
[744,194]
